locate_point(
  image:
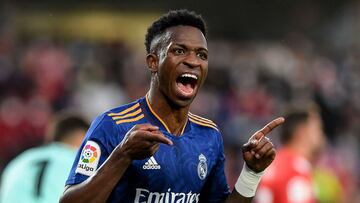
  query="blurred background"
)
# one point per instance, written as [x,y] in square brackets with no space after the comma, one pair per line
[264,55]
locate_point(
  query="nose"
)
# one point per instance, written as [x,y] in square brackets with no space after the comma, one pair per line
[192,60]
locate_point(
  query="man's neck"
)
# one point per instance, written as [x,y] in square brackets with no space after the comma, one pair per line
[174,118]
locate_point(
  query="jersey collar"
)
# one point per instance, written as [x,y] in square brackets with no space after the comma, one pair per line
[155,119]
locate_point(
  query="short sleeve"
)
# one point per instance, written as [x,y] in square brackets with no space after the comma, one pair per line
[216,188]
[99,142]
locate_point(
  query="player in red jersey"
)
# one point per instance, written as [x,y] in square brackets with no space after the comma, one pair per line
[289,178]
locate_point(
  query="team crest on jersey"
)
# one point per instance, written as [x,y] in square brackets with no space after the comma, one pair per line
[202,167]
[89,159]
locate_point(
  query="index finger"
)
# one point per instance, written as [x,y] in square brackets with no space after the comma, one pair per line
[146,127]
[157,137]
[268,128]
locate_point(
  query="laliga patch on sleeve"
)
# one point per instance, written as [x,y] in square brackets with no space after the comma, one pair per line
[89,159]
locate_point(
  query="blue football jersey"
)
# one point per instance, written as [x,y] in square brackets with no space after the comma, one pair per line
[191,170]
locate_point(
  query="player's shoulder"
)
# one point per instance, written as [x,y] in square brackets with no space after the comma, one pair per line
[126,115]
[202,123]
[34,153]
[27,157]
[113,123]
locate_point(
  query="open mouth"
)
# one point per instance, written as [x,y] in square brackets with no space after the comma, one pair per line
[186,83]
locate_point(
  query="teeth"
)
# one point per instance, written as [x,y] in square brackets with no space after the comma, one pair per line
[188,75]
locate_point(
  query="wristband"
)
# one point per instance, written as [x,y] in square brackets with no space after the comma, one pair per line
[248,181]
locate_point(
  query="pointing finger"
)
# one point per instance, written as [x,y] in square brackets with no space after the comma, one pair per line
[157,137]
[268,128]
[146,127]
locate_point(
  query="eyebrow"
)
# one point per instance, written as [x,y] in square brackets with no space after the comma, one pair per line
[186,47]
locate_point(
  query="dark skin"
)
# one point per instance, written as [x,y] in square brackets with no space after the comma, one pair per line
[184,50]
[258,154]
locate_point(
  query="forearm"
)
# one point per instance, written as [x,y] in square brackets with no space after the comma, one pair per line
[245,186]
[99,186]
[235,197]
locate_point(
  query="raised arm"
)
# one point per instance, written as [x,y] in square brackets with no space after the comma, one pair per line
[258,154]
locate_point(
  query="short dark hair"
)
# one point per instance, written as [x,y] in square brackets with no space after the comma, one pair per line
[171,19]
[294,117]
[66,123]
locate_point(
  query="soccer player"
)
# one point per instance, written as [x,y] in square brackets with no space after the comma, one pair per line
[289,178]
[154,149]
[38,174]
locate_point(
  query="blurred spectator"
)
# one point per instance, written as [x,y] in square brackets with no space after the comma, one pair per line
[39,174]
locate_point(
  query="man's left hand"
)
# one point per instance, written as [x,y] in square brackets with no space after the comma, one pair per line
[259,151]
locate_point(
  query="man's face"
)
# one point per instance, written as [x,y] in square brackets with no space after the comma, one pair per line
[182,64]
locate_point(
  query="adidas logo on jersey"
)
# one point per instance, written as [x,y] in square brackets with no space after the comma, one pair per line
[151,164]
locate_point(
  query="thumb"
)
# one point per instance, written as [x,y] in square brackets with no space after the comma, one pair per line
[252,143]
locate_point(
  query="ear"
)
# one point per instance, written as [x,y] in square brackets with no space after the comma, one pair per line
[152,62]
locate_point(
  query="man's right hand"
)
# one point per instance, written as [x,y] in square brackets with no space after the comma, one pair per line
[142,141]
